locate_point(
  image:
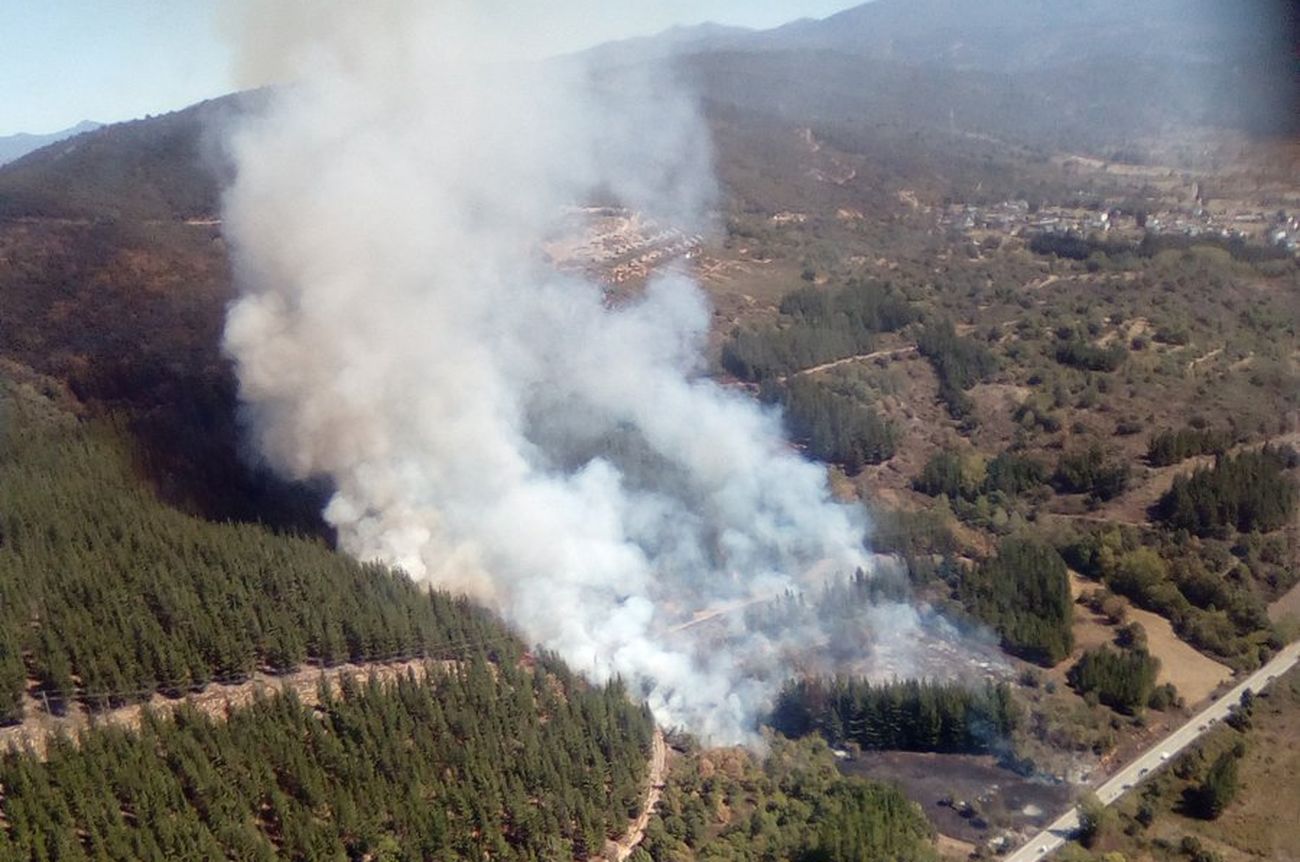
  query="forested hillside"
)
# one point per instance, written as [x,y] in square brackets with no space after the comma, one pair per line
[489,761]
[1247,493]
[107,595]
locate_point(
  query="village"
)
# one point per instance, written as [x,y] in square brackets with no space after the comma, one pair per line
[614,245]
[1278,229]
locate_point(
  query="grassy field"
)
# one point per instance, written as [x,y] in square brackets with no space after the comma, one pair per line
[1259,824]
[1195,675]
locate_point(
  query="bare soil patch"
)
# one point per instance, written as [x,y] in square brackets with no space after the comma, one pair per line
[1287,606]
[951,848]
[985,798]
[619,850]
[995,408]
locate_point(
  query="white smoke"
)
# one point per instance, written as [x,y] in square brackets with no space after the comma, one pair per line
[489,424]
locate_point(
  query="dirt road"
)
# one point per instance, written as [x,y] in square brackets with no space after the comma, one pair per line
[38,726]
[618,851]
[861,357]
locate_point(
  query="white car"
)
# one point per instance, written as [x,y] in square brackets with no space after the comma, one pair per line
[1164,755]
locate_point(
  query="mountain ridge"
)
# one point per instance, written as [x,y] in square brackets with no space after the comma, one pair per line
[15,146]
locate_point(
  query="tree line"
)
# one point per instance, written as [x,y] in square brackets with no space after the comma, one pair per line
[951,474]
[1074,246]
[1243,493]
[912,715]
[959,363]
[1173,447]
[1092,471]
[1078,353]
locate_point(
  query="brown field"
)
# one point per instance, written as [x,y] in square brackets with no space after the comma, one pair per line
[1194,675]
[1287,606]
[1090,630]
[1262,822]
[951,848]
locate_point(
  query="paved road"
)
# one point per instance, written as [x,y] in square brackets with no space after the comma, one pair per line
[1059,832]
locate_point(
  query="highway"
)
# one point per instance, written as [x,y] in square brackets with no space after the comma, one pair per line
[1157,755]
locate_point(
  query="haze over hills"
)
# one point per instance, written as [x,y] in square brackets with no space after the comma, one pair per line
[18,145]
[1022,35]
[1100,76]
[1095,74]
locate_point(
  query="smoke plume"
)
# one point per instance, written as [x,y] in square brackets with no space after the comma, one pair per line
[489,424]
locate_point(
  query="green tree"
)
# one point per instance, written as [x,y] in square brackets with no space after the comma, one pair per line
[1095,820]
[1218,789]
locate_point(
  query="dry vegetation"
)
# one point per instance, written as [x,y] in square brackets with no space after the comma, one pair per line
[1258,824]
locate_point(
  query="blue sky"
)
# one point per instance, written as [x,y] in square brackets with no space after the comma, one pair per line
[62,61]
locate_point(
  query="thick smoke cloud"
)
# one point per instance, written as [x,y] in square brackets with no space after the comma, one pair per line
[489,424]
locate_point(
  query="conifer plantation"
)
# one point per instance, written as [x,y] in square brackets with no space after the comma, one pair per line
[1124,679]
[113,596]
[487,761]
[1024,594]
[1247,492]
[817,326]
[899,716]
[108,597]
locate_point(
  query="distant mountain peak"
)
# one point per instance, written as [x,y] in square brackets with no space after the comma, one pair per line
[18,145]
